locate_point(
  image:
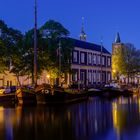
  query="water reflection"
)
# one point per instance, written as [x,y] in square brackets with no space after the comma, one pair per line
[126,118]
[95,119]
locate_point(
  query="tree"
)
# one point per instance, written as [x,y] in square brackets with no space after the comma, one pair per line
[2,57]
[132,60]
[56,37]
[49,36]
[126,61]
[18,50]
[10,49]
[3,49]
[28,53]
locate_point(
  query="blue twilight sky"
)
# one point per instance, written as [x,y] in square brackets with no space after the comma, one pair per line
[102,17]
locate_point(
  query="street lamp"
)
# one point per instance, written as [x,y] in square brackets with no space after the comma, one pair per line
[114,71]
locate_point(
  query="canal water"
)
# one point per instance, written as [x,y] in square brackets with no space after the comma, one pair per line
[95,119]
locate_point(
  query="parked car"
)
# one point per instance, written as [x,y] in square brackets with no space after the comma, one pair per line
[5,90]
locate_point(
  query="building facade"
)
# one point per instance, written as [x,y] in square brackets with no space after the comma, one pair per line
[91,64]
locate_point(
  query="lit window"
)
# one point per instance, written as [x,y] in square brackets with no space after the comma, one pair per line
[94,76]
[82,76]
[98,59]
[99,76]
[109,76]
[109,62]
[90,76]
[103,60]
[94,59]
[75,56]
[89,58]
[75,76]
[82,57]
[103,77]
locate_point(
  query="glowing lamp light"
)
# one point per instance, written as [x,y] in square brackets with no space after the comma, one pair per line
[114,71]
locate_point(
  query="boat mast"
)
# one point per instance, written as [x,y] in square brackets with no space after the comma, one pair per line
[60,62]
[35,43]
[101,63]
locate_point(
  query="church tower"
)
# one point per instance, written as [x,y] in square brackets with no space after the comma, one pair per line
[117,43]
[83,35]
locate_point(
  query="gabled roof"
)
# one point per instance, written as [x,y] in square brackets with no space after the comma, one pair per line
[87,45]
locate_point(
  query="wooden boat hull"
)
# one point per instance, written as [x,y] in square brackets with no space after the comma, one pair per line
[60,98]
[7,98]
[25,97]
[114,93]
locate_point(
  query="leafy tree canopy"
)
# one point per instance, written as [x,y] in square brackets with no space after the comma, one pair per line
[10,44]
[53,47]
[126,60]
[49,37]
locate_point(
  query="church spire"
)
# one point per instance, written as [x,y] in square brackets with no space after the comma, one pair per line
[83,35]
[117,39]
